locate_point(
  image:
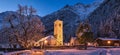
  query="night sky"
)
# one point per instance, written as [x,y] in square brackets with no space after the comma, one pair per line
[43,7]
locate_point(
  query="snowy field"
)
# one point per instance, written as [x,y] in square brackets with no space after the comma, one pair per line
[72,52]
[98,51]
[113,51]
[109,51]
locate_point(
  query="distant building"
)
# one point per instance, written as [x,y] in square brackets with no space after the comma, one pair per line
[107,42]
[46,41]
[51,41]
[74,41]
[58,32]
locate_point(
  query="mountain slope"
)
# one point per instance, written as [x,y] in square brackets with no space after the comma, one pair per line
[4,15]
[107,15]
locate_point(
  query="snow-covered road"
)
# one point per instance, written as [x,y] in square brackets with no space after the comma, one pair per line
[98,51]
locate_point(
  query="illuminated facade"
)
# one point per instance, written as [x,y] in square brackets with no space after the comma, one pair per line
[58,32]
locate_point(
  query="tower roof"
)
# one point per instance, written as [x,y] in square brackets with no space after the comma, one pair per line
[58,21]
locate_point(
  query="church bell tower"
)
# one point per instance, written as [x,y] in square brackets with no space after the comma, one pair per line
[58,32]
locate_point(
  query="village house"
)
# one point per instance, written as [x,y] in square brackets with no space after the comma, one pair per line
[107,42]
[74,41]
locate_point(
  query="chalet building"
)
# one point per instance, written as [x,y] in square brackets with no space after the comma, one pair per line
[107,42]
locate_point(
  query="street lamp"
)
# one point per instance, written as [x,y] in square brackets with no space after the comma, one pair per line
[45,43]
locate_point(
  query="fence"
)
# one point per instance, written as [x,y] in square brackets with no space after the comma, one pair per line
[26,52]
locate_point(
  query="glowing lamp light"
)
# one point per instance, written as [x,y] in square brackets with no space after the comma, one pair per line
[45,41]
[89,43]
[108,42]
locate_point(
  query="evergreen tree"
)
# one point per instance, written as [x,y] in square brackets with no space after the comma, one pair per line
[84,34]
[86,37]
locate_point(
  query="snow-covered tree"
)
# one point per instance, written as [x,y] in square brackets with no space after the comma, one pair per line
[26,27]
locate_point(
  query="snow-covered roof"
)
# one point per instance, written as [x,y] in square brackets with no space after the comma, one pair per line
[108,39]
[45,38]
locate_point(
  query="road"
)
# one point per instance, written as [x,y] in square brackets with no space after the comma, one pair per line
[96,51]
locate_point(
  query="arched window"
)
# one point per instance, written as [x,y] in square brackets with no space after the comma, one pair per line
[60,25]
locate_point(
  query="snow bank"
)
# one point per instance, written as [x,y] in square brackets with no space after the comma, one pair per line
[1,53]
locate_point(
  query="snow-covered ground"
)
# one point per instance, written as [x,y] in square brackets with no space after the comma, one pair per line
[72,52]
[97,51]
[113,51]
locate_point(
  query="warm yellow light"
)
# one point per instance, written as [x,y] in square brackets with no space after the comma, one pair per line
[89,43]
[45,41]
[108,42]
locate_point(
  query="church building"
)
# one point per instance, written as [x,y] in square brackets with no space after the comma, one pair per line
[56,39]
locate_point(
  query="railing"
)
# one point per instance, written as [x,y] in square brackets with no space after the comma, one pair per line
[25,52]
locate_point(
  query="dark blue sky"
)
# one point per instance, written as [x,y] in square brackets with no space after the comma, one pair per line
[43,7]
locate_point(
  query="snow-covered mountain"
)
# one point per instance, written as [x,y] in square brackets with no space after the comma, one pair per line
[3,16]
[105,20]
[71,15]
[83,10]
[14,14]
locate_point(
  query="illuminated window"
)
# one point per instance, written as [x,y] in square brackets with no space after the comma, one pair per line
[60,25]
